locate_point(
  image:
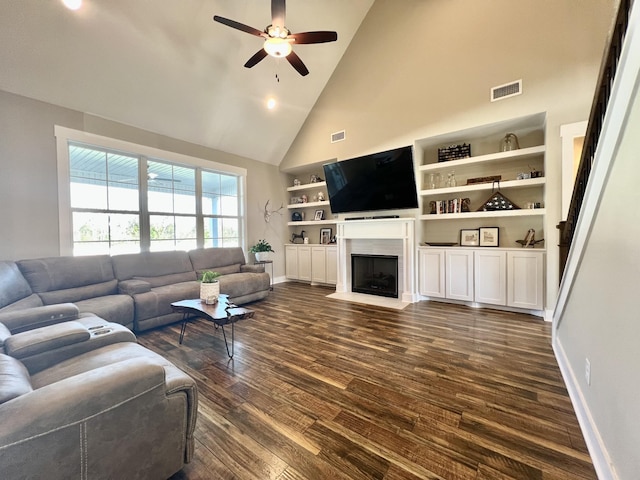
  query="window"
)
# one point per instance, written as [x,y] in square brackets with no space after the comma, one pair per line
[126,198]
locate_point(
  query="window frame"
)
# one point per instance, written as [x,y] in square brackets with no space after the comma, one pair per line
[65,135]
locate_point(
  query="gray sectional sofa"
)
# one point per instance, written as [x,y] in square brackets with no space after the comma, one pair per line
[79,397]
[134,290]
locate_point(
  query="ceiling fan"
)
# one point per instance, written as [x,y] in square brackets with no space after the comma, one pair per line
[278,39]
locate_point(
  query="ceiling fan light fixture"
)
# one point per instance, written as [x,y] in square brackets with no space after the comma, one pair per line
[277,47]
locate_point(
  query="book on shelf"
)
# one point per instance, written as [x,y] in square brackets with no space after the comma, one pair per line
[452,205]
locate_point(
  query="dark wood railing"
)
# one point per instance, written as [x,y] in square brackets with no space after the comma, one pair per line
[594,127]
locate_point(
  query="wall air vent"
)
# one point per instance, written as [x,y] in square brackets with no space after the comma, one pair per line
[338,136]
[507,90]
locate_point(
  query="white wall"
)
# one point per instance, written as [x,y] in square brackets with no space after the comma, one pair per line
[421,68]
[28,195]
[599,320]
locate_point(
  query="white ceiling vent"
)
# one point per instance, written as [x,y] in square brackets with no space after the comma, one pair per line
[338,136]
[507,90]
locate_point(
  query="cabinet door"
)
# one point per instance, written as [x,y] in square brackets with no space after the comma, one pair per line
[318,265]
[490,274]
[431,271]
[332,265]
[291,262]
[459,274]
[304,263]
[525,279]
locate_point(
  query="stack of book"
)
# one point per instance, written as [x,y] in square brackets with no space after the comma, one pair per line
[452,205]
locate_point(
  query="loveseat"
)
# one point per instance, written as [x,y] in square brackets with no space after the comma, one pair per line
[135,290]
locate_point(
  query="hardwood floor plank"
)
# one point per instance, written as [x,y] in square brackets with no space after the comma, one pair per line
[324,389]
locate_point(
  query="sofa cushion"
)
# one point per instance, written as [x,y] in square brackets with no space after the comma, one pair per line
[69,279]
[235,268]
[13,286]
[14,379]
[158,301]
[113,308]
[150,264]
[80,293]
[215,258]
[172,278]
[241,284]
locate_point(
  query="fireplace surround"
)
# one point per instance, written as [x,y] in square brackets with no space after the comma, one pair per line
[388,236]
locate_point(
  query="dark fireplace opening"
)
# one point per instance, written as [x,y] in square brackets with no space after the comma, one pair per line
[375,275]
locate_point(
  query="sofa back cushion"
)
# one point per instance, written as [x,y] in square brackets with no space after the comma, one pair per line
[170,279]
[14,378]
[152,264]
[220,259]
[13,286]
[70,279]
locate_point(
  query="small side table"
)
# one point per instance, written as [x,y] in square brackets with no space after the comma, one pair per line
[264,264]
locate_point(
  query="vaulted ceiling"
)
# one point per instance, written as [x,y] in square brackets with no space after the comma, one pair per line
[167,67]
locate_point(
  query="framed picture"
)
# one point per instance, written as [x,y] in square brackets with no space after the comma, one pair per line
[319,215]
[325,236]
[469,238]
[489,236]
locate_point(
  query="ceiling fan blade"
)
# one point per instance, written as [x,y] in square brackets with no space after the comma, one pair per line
[296,63]
[239,26]
[257,57]
[314,37]
[278,12]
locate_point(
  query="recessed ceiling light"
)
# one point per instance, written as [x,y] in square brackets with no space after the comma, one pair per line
[72,4]
[271,103]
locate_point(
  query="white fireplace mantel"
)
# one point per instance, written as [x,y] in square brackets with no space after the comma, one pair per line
[380,236]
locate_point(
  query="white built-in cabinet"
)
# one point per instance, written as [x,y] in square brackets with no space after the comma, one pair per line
[459,274]
[489,276]
[525,279]
[431,260]
[312,263]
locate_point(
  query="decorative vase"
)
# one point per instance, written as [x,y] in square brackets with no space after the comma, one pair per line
[509,143]
[209,290]
[264,256]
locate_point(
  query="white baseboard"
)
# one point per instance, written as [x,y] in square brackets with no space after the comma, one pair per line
[597,450]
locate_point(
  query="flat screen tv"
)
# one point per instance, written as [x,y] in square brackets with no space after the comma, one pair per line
[381,181]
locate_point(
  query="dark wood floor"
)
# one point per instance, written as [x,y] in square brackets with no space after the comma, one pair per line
[324,389]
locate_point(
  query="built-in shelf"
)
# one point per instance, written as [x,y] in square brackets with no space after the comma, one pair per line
[308,205]
[530,182]
[491,157]
[312,222]
[523,212]
[307,186]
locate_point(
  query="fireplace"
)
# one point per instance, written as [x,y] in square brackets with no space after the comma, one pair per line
[375,274]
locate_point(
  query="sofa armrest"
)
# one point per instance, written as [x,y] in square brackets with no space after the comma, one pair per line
[252,268]
[4,334]
[78,398]
[132,287]
[39,340]
[22,320]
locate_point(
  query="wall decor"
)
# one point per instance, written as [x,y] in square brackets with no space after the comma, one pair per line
[319,215]
[489,236]
[325,236]
[469,237]
[454,152]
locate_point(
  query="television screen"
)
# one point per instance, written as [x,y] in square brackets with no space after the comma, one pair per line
[381,181]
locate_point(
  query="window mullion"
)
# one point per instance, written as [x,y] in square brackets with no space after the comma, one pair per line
[145,225]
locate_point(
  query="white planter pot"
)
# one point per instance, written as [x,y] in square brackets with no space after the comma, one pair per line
[209,292]
[264,256]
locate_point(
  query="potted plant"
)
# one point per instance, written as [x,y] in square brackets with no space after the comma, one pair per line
[263,251]
[209,287]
